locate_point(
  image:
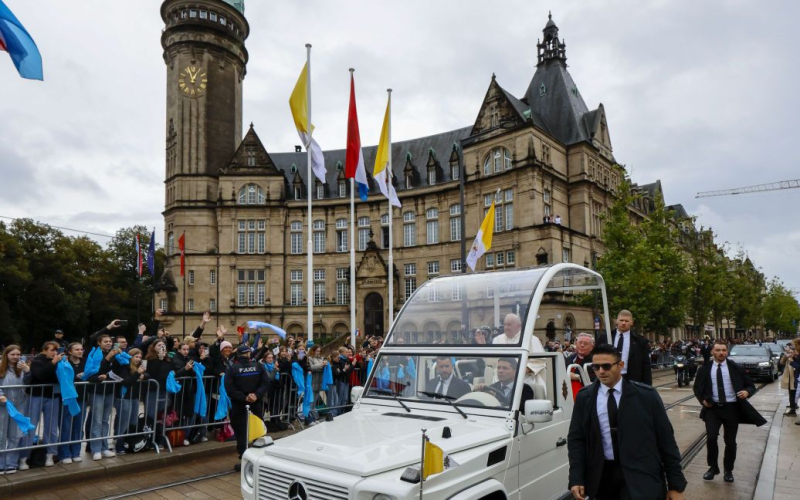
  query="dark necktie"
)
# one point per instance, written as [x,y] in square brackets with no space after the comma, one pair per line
[720,385]
[612,422]
[620,342]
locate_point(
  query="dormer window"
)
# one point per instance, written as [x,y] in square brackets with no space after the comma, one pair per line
[251,194]
[431,176]
[342,189]
[298,192]
[251,157]
[320,190]
[455,172]
[409,182]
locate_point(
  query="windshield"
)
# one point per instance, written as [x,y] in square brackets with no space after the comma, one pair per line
[468,381]
[467,309]
[748,350]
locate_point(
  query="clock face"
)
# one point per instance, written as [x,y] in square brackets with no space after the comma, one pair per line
[193,81]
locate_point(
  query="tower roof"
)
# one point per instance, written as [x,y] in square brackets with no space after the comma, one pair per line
[236,4]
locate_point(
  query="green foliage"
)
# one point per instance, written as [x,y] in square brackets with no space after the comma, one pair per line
[49,280]
[748,286]
[781,310]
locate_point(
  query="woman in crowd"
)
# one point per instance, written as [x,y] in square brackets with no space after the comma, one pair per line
[71,427]
[332,395]
[127,392]
[316,365]
[273,394]
[157,368]
[13,372]
[45,399]
[102,399]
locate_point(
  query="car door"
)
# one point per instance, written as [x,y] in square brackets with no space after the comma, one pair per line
[543,464]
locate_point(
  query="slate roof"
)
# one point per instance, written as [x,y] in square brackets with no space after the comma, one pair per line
[236,4]
[419,148]
[678,211]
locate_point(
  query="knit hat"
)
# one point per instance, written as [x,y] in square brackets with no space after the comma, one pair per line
[225,344]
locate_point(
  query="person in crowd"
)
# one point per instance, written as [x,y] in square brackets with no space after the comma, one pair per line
[72,427]
[45,399]
[332,394]
[183,402]
[101,399]
[126,393]
[794,363]
[512,333]
[634,348]
[316,366]
[620,441]
[61,341]
[273,399]
[246,382]
[446,383]
[584,344]
[705,351]
[13,372]
[723,388]
[789,378]
[157,368]
[344,369]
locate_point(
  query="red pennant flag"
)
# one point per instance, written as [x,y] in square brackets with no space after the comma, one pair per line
[182,247]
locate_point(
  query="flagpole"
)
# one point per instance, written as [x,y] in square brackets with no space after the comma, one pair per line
[353,250]
[310,253]
[391,259]
[422,466]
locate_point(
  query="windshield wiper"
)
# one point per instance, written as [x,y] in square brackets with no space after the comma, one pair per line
[394,395]
[449,399]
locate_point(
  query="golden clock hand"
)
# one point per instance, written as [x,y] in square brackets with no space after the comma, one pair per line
[191,76]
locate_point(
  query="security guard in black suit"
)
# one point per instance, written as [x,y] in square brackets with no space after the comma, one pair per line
[723,388]
[635,349]
[246,382]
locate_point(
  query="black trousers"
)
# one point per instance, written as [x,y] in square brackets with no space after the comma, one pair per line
[238,415]
[726,417]
[792,394]
[612,484]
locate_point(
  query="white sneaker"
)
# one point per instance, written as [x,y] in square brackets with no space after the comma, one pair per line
[48,460]
[23,464]
[186,442]
[66,461]
[97,456]
[203,439]
[109,454]
[11,471]
[77,459]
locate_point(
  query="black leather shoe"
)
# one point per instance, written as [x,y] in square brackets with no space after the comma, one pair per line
[237,467]
[710,473]
[728,476]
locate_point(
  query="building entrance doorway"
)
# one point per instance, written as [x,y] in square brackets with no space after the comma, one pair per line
[373,315]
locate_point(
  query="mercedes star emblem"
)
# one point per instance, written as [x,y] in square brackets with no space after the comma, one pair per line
[297,491]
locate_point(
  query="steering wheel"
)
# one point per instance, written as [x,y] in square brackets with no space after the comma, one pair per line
[480,398]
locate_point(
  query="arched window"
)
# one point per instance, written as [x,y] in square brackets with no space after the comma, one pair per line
[251,194]
[497,160]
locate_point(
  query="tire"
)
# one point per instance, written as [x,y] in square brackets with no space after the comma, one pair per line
[680,384]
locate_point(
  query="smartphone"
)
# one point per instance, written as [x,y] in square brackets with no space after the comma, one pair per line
[116,345]
[122,322]
[24,359]
[144,364]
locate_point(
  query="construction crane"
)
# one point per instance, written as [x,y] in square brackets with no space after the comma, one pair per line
[760,188]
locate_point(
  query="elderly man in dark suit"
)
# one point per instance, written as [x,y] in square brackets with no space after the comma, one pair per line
[621,444]
[634,348]
[446,383]
[723,388]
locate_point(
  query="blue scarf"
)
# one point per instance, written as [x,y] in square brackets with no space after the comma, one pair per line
[93,362]
[200,402]
[383,378]
[309,396]
[22,421]
[369,366]
[270,367]
[66,379]
[327,377]
[123,358]
[411,368]
[172,385]
[260,324]
[297,375]
[224,403]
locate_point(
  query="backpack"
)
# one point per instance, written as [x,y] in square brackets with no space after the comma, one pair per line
[141,442]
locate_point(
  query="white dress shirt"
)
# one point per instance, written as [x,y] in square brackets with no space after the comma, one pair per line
[730,394]
[443,385]
[602,417]
[626,348]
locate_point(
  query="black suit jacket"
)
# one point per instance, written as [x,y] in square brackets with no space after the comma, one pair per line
[639,369]
[649,456]
[740,381]
[527,393]
[456,389]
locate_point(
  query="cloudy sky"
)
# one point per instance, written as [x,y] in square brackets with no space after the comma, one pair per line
[701,95]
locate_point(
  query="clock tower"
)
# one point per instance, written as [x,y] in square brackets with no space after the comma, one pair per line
[206,60]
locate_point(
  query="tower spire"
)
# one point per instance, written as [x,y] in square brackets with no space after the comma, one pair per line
[550,47]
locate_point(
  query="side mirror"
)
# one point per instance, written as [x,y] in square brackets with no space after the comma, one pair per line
[538,411]
[356,392]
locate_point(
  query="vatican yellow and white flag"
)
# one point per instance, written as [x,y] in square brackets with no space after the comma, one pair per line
[382,171]
[483,240]
[298,102]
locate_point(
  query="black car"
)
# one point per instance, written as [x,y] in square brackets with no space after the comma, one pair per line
[756,360]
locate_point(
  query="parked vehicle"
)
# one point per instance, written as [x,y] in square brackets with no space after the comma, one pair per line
[497,445]
[756,360]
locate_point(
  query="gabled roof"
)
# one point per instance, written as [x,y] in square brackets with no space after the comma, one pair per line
[251,147]
[419,148]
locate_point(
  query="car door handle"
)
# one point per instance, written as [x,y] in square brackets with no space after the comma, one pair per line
[561,442]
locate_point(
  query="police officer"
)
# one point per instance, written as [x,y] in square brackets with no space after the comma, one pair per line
[246,383]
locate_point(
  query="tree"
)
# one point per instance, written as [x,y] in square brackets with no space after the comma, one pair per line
[708,269]
[748,286]
[781,310]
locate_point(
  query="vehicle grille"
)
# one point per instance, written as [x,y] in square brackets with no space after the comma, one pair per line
[274,485]
[750,366]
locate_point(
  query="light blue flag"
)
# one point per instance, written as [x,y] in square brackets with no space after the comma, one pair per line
[260,324]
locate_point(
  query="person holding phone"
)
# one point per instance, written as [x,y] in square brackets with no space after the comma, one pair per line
[102,399]
[13,371]
[183,403]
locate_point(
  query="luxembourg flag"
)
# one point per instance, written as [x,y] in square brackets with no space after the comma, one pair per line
[483,240]
[354,162]
[15,40]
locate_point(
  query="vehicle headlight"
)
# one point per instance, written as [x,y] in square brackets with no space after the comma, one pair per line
[248,471]
[680,365]
[382,496]
[764,363]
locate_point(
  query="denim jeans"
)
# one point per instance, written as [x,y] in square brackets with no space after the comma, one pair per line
[9,440]
[102,402]
[127,417]
[333,400]
[50,407]
[342,389]
[71,430]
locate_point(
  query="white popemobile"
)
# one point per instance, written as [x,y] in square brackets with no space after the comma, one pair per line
[468,396]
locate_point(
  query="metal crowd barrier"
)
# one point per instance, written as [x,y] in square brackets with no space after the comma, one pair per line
[661,359]
[105,413]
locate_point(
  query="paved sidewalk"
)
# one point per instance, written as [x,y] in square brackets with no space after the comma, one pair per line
[787,477]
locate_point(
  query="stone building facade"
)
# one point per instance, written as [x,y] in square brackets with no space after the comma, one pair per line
[243,211]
